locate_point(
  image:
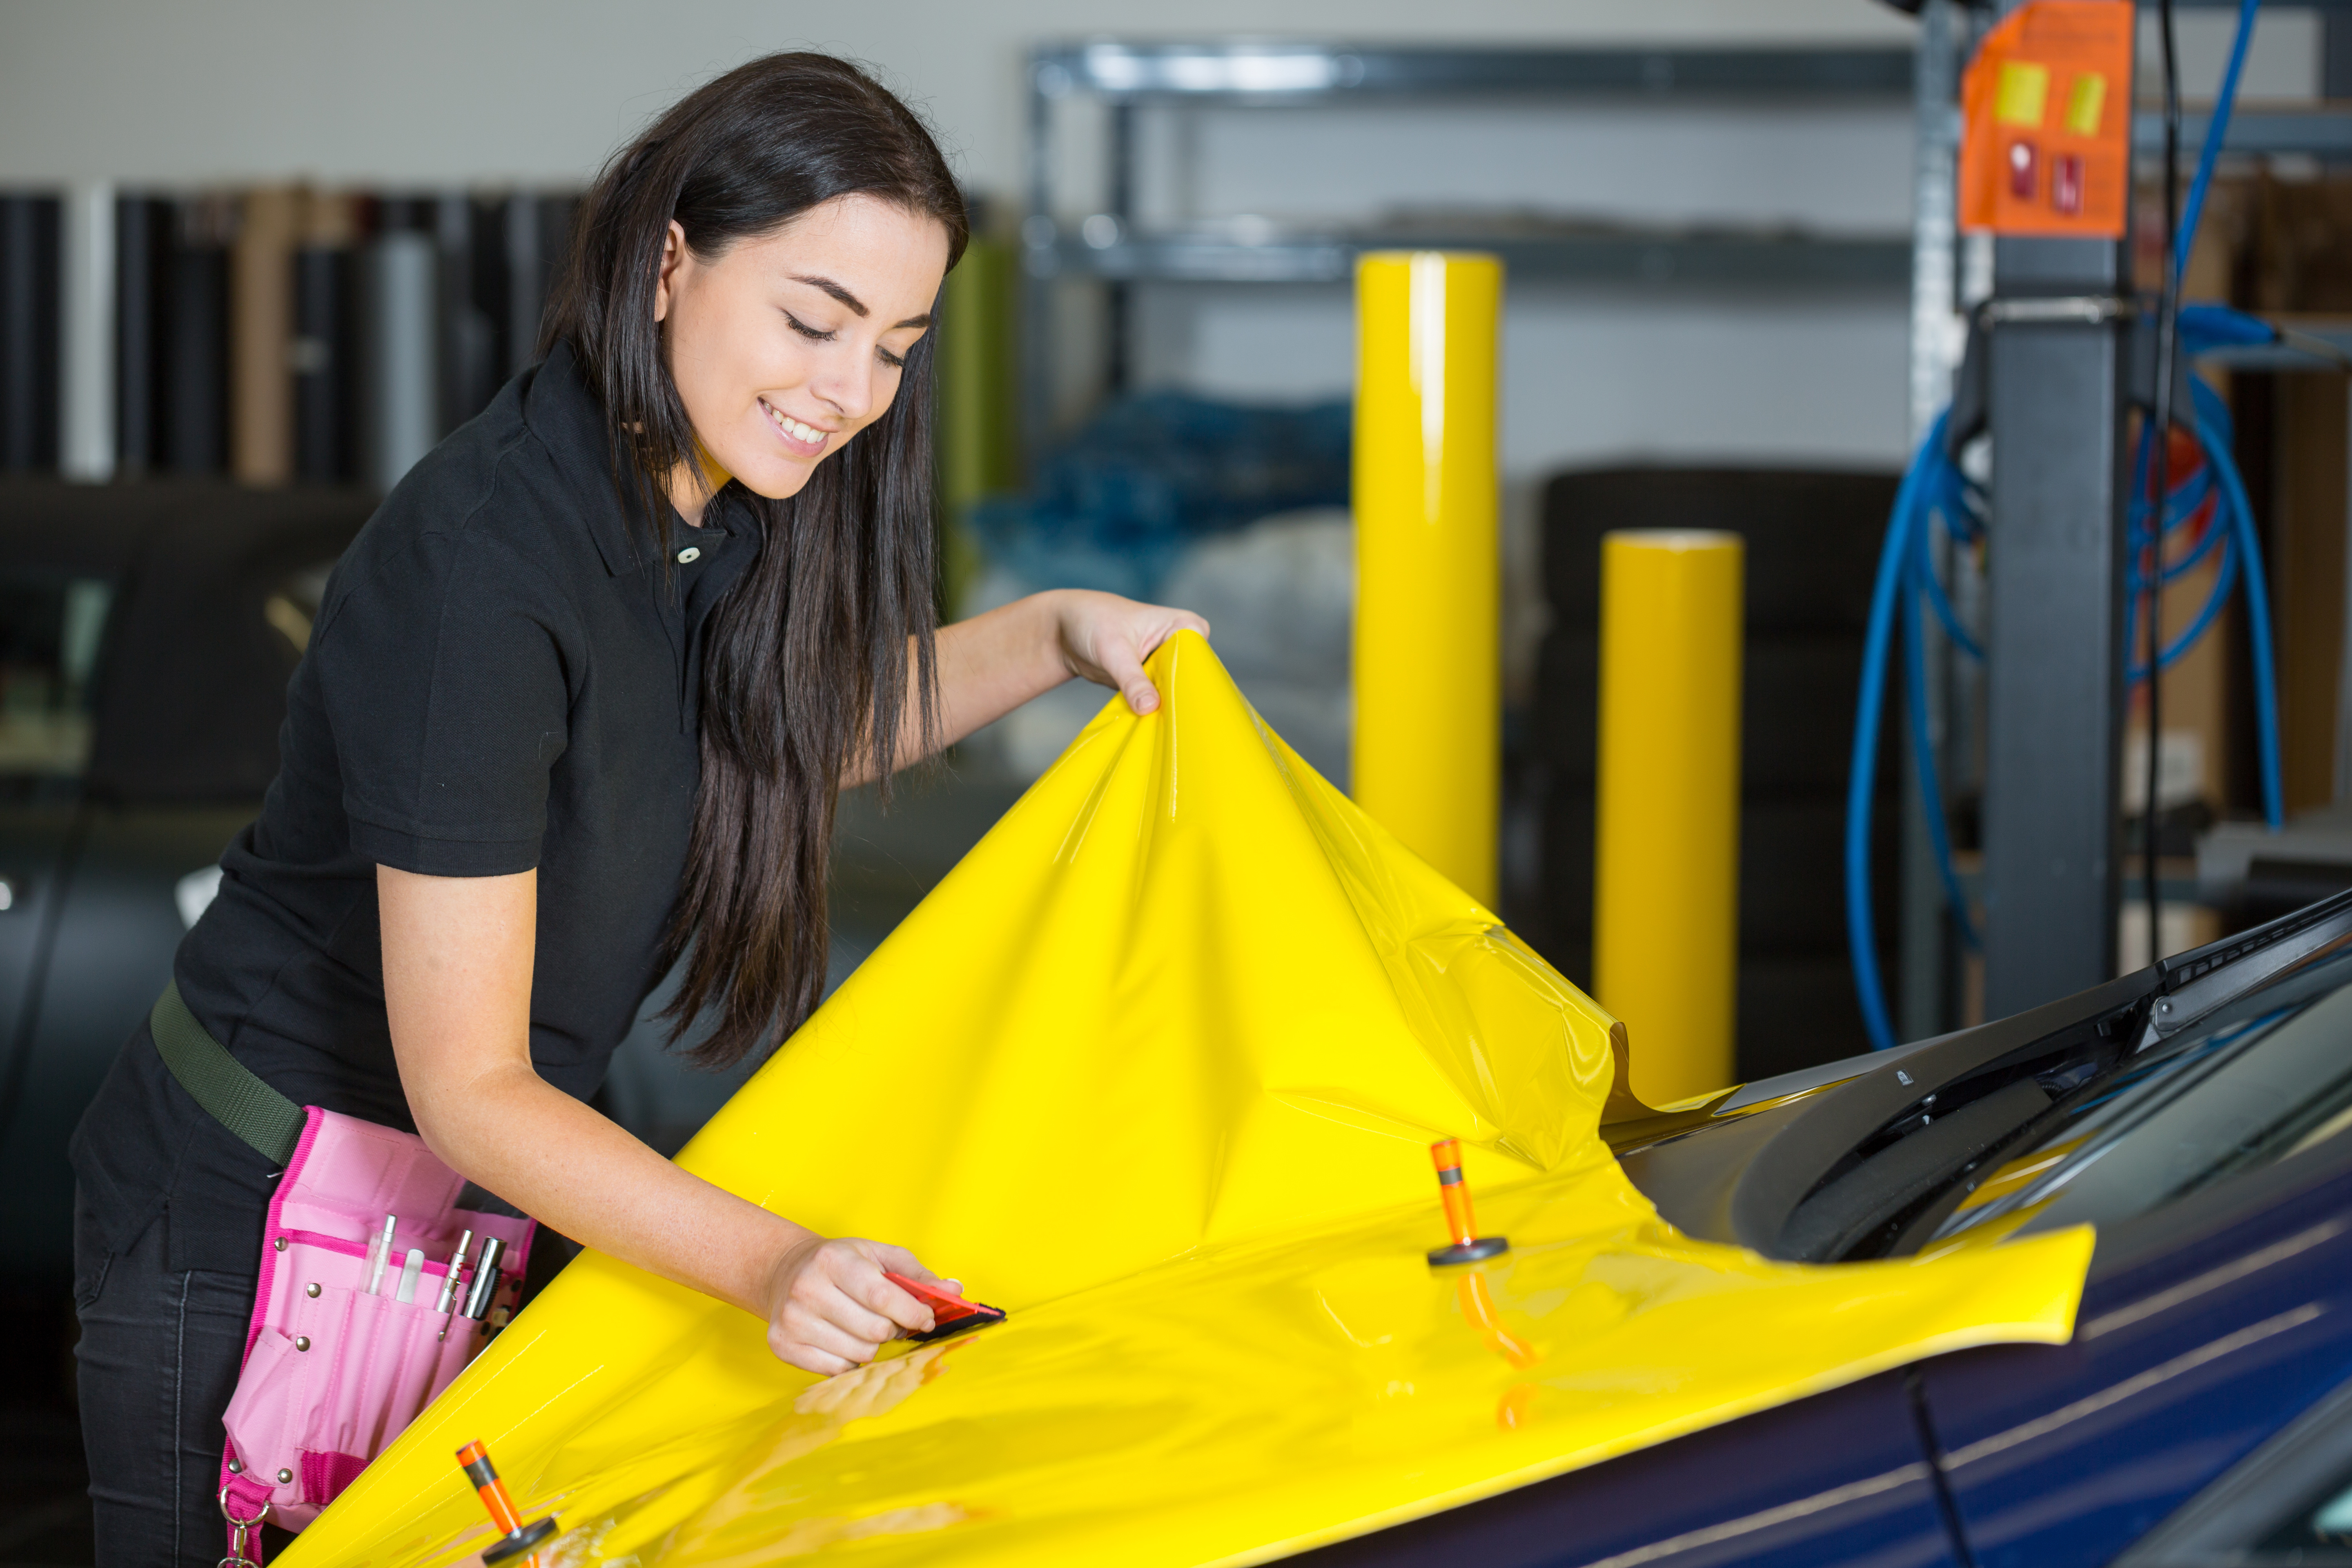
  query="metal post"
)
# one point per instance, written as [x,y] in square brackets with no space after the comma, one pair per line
[1923,1007]
[2335,53]
[1040,259]
[2055,679]
[1118,303]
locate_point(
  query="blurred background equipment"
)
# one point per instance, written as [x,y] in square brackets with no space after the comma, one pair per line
[1809,543]
[146,635]
[273,334]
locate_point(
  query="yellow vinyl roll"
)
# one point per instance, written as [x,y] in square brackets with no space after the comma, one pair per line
[1427,762]
[1665,899]
[1156,1069]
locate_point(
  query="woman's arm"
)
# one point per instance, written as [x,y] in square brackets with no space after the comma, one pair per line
[993,663]
[457,957]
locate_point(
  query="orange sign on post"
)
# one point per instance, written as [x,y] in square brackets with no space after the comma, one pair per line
[2047,105]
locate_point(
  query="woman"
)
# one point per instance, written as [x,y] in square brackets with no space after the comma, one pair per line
[577,706]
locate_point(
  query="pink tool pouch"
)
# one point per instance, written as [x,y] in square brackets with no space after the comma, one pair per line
[336,1364]
[334,1372]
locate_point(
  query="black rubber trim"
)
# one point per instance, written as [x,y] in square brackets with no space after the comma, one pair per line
[1824,1131]
[2195,964]
[1908,1172]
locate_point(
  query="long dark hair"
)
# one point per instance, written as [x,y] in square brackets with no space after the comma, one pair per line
[814,651]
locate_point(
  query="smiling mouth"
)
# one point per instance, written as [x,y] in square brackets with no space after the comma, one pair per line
[791,429]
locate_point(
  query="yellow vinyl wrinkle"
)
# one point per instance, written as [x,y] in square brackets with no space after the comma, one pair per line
[1155,1068]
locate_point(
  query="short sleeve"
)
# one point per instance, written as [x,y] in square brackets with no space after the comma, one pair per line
[442,669]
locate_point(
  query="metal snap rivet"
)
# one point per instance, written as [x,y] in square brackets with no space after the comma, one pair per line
[689,555]
[279,1243]
[237,1466]
[311,1288]
[285,1477]
[302,1341]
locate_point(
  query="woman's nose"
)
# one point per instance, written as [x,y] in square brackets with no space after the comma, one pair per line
[846,382]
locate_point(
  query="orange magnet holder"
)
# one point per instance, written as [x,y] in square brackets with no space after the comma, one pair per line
[1467,1245]
[518,1537]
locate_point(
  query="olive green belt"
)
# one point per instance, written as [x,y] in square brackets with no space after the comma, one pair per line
[232,1092]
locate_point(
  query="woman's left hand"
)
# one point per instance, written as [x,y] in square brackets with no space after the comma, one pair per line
[1106,639]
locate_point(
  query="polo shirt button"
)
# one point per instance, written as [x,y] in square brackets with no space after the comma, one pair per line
[689,555]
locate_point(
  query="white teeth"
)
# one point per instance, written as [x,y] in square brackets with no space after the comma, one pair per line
[793,428]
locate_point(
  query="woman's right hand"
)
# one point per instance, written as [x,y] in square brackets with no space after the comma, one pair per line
[829,1308]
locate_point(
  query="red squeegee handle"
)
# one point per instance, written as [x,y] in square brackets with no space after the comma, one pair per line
[950,1313]
[945,1304]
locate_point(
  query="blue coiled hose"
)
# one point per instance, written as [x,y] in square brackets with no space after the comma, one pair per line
[1934,492]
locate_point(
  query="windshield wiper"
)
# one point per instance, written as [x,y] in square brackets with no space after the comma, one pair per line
[1908,1172]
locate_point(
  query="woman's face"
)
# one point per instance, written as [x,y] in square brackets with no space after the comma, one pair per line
[785,346]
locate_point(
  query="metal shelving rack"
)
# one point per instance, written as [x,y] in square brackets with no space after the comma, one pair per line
[1944,274]
[1949,276]
[1108,246]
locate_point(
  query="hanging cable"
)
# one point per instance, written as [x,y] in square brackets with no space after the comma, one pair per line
[2184,233]
[2159,480]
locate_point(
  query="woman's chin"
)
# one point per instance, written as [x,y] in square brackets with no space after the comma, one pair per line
[775,478]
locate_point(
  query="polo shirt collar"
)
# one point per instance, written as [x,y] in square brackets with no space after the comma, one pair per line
[565,415]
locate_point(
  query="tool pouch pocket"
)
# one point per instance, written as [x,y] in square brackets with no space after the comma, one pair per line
[334,1371]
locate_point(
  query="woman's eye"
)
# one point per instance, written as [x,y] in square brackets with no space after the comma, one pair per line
[804,329]
[896,362]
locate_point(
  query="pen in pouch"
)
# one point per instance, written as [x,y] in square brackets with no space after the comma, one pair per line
[453,1289]
[449,1281]
[380,1254]
[485,1279]
[411,1272]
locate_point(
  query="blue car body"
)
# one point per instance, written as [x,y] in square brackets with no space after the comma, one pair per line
[2201,1415]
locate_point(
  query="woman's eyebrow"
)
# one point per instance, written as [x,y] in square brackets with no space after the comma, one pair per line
[851,301]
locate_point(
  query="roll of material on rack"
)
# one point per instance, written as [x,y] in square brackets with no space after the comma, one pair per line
[1427,762]
[86,333]
[1665,897]
[400,379]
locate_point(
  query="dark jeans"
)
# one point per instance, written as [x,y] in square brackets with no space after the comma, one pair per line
[159,1357]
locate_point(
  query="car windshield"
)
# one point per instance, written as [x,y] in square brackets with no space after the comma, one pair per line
[51,627]
[2266,1076]
[2319,1531]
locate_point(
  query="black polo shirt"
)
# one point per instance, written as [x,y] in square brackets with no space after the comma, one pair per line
[502,676]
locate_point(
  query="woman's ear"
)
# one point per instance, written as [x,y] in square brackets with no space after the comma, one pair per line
[672,256]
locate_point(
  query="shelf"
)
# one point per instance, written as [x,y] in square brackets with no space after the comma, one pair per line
[1273,72]
[2322,131]
[2336,333]
[1728,259]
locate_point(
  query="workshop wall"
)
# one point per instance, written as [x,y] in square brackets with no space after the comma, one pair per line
[540,90]
[438,92]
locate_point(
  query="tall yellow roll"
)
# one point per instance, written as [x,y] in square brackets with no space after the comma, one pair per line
[1666,902]
[1427,761]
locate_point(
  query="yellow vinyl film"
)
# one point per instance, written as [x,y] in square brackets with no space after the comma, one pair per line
[1156,1068]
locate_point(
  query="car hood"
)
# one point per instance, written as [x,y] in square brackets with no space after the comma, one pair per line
[1156,1068]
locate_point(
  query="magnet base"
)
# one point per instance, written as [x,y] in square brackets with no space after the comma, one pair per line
[1468,1251]
[522,1541]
